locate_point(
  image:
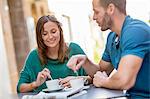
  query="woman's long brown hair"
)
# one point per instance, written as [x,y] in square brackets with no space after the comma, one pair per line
[42,48]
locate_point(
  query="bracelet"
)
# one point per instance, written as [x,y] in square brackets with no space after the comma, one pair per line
[32,85]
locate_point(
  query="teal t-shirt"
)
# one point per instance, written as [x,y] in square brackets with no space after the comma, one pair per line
[33,66]
[134,40]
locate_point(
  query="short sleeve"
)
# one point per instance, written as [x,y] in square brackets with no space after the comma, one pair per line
[106,54]
[135,41]
[25,74]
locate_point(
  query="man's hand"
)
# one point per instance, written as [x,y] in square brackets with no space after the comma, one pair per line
[99,78]
[76,61]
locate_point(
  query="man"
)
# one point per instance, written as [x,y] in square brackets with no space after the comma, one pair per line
[127,50]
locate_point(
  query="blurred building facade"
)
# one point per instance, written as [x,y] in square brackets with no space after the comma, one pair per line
[17,27]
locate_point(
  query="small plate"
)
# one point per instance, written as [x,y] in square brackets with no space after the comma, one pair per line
[53,90]
[86,87]
[67,89]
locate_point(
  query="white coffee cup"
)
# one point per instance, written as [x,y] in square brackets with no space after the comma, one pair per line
[53,84]
[77,83]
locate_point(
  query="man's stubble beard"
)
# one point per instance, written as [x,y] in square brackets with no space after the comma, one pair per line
[106,22]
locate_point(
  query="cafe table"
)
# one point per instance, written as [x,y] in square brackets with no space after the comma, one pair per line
[100,93]
[88,93]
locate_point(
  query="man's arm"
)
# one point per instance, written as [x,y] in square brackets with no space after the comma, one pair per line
[106,66]
[125,76]
[92,68]
[76,61]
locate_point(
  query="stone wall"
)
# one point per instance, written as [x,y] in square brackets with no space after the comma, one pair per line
[19,31]
[16,35]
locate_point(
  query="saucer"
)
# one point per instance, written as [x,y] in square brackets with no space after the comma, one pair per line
[52,90]
[67,89]
[86,87]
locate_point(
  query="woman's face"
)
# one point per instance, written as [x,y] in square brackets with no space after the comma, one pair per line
[51,34]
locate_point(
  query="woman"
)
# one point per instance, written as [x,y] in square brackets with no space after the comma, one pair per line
[49,59]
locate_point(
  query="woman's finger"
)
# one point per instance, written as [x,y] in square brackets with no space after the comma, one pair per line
[46,70]
[66,84]
[63,81]
[43,75]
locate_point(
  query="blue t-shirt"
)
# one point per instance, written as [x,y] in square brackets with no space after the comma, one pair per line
[134,40]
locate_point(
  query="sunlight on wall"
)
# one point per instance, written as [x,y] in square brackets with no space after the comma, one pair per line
[83,31]
[4,71]
[139,9]
[78,11]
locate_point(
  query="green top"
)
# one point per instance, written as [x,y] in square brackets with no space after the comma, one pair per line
[58,70]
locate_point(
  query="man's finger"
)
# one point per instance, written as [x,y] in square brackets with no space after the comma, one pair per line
[79,65]
[105,74]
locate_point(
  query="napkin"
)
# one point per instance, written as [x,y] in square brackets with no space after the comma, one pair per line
[61,94]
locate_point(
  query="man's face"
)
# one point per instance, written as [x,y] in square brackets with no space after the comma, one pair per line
[100,15]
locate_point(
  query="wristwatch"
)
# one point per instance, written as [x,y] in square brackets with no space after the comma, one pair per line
[86,82]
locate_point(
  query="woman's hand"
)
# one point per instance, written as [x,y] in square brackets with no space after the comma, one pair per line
[65,82]
[42,76]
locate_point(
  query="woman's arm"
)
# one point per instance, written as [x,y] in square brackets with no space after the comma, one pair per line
[25,87]
[41,78]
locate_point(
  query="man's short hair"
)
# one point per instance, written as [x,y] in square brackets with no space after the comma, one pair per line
[120,4]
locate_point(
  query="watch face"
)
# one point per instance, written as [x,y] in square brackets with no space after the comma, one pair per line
[86,81]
